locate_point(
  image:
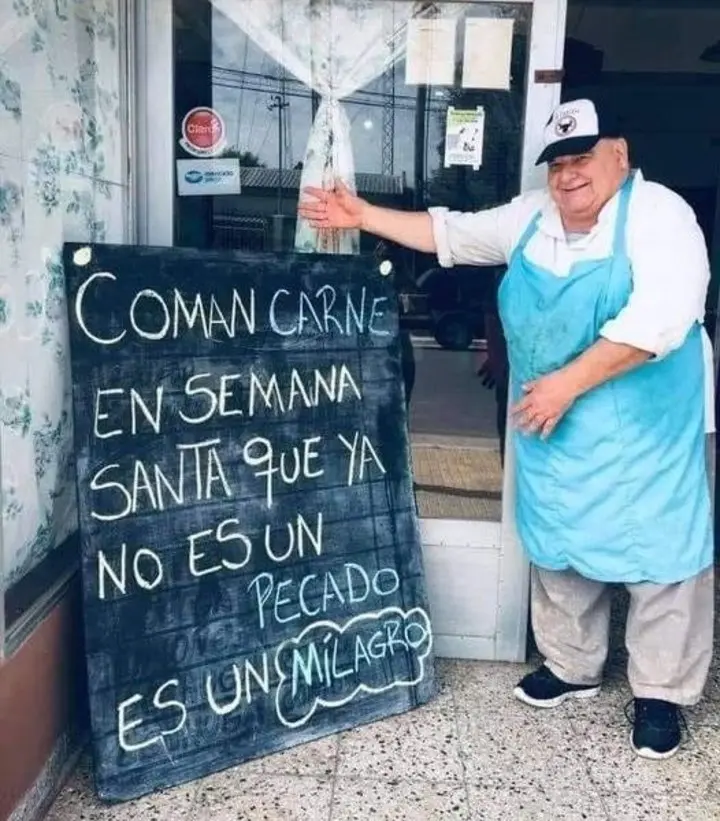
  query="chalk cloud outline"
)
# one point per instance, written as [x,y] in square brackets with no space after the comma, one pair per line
[340,630]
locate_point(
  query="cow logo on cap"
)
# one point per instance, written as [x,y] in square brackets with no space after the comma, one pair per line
[565,125]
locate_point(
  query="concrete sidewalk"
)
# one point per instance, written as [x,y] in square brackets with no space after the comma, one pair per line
[473,753]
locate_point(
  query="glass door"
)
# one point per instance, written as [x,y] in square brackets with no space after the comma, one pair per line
[421,105]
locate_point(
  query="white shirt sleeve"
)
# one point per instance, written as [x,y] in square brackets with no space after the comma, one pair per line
[482,237]
[670,269]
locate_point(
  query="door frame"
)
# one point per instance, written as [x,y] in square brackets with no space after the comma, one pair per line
[152,119]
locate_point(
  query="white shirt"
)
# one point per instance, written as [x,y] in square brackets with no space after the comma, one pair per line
[666,247]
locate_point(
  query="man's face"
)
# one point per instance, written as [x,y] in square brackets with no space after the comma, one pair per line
[580,186]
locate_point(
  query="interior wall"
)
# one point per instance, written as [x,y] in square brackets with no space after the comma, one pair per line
[655,38]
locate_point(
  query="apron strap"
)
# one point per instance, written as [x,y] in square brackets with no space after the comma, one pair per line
[526,236]
[619,242]
[619,245]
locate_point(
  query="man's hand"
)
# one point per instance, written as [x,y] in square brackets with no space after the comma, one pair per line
[549,398]
[485,371]
[546,401]
[332,209]
[339,208]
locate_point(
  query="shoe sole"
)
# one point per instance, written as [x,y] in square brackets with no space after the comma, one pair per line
[547,703]
[652,755]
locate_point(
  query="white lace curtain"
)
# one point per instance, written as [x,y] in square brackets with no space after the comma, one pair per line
[335,47]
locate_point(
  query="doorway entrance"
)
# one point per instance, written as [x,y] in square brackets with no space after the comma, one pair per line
[234,110]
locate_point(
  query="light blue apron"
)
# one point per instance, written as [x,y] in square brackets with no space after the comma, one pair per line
[619,491]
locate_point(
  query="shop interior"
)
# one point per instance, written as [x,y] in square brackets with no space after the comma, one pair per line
[455,391]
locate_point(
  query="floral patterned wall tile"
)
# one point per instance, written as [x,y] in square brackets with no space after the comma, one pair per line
[110,211]
[12,219]
[62,178]
[93,210]
[37,468]
[74,103]
[10,114]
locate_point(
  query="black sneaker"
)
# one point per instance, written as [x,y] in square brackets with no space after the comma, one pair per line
[544,689]
[656,728]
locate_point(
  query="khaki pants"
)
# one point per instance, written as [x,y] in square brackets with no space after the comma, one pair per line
[669,632]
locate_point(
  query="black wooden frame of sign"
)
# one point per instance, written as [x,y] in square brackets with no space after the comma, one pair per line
[252,568]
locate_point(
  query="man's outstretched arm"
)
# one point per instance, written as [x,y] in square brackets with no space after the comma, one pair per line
[341,209]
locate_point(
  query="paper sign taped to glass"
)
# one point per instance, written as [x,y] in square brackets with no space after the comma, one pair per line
[430,55]
[487,54]
[464,136]
[337,49]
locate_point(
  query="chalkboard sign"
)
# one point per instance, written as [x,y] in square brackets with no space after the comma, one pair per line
[251,560]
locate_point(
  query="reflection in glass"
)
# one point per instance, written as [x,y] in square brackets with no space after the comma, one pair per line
[309,91]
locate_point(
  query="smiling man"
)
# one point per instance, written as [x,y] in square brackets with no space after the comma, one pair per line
[602,308]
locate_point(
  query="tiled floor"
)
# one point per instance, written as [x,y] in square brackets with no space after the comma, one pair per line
[473,753]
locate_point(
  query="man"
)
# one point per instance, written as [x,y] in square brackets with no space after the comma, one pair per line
[602,307]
